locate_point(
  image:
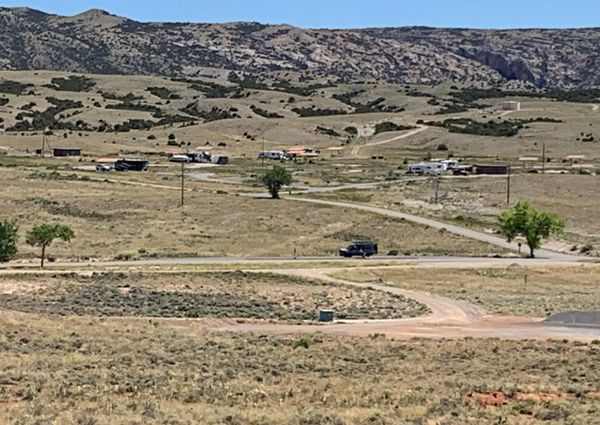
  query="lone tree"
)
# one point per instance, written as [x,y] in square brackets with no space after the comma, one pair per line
[524,220]
[8,240]
[274,179]
[44,234]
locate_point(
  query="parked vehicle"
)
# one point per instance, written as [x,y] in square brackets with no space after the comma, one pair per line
[426,168]
[179,158]
[103,168]
[451,164]
[276,155]
[131,165]
[220,159]
[359,248]
[199,157]
[460,172]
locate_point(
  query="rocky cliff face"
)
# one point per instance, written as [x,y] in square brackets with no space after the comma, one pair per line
[97,42]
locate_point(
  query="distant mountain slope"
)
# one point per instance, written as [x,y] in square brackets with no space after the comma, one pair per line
[97,42]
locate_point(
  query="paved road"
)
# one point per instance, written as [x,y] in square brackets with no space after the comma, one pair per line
[425,261]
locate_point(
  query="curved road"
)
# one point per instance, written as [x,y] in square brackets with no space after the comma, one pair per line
[448,319]
[457,230]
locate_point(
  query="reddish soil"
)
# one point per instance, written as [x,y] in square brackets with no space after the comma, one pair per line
[498,399]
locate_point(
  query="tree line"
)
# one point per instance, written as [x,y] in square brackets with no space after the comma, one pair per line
[41,236]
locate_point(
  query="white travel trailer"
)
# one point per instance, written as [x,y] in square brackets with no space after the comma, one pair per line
[278,155]
[179,158]
[426,168]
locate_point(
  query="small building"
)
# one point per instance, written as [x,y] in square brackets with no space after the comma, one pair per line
[491,169]
[107,161]
[574,159]
[510,106]
[529,160]
[66,152]
[335,150]
[302,152]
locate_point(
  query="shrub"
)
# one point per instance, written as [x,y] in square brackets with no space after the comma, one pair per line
[328,131]
[8,240]
[75,83]
[47,118]
[163,93]
[387,126]
[317,112]
[264,113]
[351,130]
[214,114]
[13,87]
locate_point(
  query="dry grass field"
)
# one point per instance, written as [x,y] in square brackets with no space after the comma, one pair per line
[477,202]
[525,291]
[126,348]
[238,295]
[561,139]
[76,371]
[114,220]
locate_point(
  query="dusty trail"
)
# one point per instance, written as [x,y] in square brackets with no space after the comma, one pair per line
[457,230]
[448,319]
[356,149]
[443,310]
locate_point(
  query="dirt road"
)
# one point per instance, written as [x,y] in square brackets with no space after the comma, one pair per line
[448,319]
[356,149]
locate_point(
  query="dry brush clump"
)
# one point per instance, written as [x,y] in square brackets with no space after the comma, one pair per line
[109,371]
[227,295]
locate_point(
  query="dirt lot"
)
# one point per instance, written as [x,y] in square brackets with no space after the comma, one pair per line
[114,371]
[221,295]
[524,291]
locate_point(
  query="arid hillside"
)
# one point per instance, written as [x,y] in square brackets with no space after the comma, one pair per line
[97,42]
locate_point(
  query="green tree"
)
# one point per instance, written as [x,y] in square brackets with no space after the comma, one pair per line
[274,179]
[8,240]
[524,220]
[44,234]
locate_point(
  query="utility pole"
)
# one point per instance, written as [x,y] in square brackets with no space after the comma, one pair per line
[263,156]
[182,181]
[543,158]
[508,185]
[43,143]
[437,189]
